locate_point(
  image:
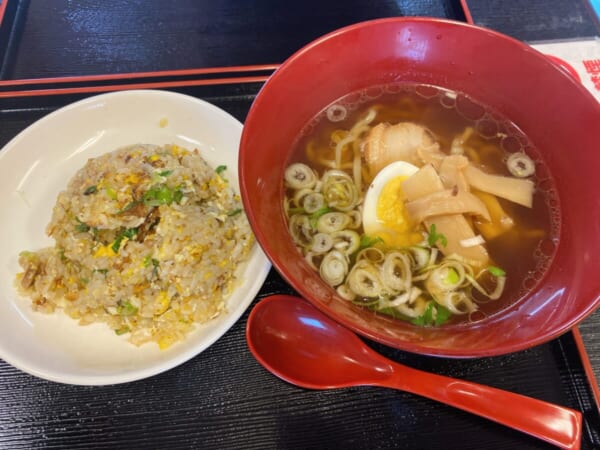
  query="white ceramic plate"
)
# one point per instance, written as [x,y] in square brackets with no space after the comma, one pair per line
[36,165]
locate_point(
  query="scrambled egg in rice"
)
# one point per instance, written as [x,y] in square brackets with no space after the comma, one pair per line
[148,240]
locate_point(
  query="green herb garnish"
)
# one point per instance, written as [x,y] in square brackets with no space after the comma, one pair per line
[111,193]
[220,169]
[122,330]
[177,195]
[426,318]
[452,277]
[435,314]
[126,309]
[161,194]
[102,271]
[433,237]
[442,315]
[81,226]
[368,241]
[159,177]
[496,271]
[90,190]
[129,206]
[155,264]
[235,212]
[128,233]
[314,217]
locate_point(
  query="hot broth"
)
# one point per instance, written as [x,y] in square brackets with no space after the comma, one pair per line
[443,124]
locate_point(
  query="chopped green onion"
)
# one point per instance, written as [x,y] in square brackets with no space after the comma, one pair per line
[155,263]
[158,195]
[81,226]
[177,196]
[220,169]
[433,237]
[314,217]
[90,190]
[435,314]
[452,278]
[426,318]
[126,309]
[111,193]
[442,315]
[117,244]
[368,241]
[161,194]
[496,271]
[235,212]
[122,330]
[159,176]
[128,233]
[129,206]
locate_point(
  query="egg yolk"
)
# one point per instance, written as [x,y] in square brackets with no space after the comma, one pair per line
[398,230]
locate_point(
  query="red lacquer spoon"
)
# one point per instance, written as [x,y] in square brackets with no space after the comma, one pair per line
[299,344]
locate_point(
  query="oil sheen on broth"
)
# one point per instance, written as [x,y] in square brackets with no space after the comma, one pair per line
[421,203]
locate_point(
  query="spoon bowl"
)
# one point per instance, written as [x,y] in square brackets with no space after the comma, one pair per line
[301,345]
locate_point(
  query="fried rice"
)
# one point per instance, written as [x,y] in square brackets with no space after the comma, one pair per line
[147,240]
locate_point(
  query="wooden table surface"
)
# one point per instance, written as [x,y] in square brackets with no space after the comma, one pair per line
[64,38]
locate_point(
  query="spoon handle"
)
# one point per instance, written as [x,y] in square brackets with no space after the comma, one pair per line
[552,423]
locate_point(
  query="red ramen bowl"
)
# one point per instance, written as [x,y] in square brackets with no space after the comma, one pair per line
[558,115]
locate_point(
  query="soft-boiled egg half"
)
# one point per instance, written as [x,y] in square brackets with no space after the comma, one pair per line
[384,214]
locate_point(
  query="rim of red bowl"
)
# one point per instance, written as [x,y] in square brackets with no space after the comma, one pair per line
[409,346]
